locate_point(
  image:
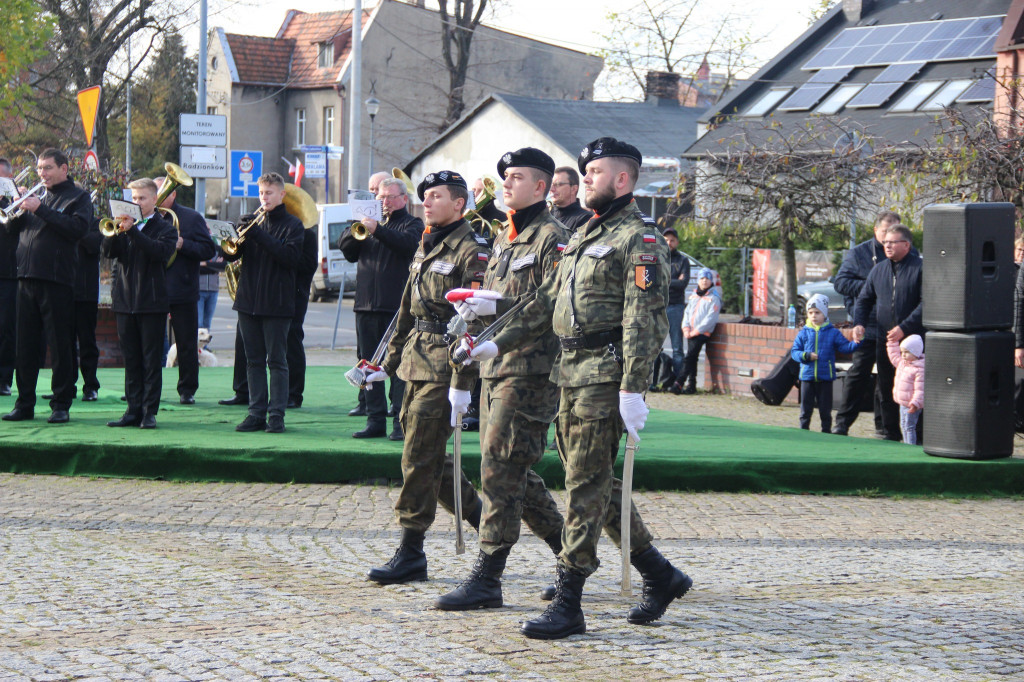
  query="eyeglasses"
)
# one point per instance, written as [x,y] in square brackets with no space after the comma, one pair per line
[894,243]
[385,197]
[559,184]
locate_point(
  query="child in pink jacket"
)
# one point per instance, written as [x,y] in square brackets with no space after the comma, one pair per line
[908,388]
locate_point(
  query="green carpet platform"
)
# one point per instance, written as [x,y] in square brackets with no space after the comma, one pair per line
[678,451]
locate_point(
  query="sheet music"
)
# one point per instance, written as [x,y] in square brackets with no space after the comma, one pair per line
[8,188]
[121,208]
[221,230]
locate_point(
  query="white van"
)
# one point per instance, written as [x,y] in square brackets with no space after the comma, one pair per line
[334,269]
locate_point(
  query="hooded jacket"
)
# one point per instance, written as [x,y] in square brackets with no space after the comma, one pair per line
[826,341]
[702,312]
[908,387]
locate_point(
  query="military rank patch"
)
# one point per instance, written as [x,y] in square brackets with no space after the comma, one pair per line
[598,250]
[442,267]
[648,258]
[525,261]
[650,239]
[644,276]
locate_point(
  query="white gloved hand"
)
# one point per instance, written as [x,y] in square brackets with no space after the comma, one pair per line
[484,351]
[465,311]
[379,375]
[634,413]
[460,402]
[482,306]
[464,347]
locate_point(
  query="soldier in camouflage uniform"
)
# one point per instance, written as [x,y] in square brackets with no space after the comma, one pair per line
[518,401]
[607,306]
[450,255]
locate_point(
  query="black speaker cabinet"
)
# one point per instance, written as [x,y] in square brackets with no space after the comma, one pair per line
[968,266]
[968,394]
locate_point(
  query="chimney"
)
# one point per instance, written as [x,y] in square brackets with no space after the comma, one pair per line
[663,88]
[854,10]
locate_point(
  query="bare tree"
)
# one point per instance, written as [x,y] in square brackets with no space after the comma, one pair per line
[458,27]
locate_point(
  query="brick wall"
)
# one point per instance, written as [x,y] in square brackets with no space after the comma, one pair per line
[106,338]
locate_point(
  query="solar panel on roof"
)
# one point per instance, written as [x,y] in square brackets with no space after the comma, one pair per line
[806,96]
[885,85]
[983,90]
[832,75]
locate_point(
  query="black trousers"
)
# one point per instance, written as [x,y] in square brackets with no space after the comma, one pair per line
[46,315]
[86,355]
[297,352]
[239,374]
[370,328]
[886,379]
[185,325]
[142,344]
[8,324]
[266,346]
[858,382]
[816,393]
[693,347]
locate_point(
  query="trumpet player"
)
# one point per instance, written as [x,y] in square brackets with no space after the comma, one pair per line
[383,258]
[139,300]
[265,302]
[8,292]
[48,232]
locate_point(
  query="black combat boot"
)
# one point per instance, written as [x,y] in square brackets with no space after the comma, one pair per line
[555,543]
[408,564]
[663,582]
[563,616]
[482,590]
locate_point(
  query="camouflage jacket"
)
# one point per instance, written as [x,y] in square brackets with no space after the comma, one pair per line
[613,274]
[459,260]
[516,268]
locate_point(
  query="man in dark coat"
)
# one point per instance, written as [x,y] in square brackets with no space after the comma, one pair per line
[893,292]
[849,281]
[565,201]
[383,267]
[296,352]
[193,245]
[139,300]
[86,355]
[48,234]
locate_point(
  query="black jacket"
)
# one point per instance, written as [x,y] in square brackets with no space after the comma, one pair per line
[572,216]
[1018,309]
[197,245]
[677,287]
[87,274]
[8,250]
[849,281]
[307,265]
[48,240]
[893,292]
[383,259]
[139,285]
[272,253]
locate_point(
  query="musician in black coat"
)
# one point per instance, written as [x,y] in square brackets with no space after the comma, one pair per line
[139,301]
[265,302]
[86,355]
[48,234]
[193,245]
[296,351]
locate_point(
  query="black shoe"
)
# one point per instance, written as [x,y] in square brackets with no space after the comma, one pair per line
[293,404]
[89,396]
[48,396]
[663,583]
[357,411]
[840,431]
[563,616]
[148,422]
[19,414]
[234,400]
[251,423]
[58,417]
[690,389]
[397,434]
[187,399]
[127,420]
[408,564]
[371,432]
[5,389]
[124,399]
[675,388]
[392,411]
[275,425]
[482,590]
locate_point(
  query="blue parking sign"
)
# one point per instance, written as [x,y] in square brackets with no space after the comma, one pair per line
[246,168]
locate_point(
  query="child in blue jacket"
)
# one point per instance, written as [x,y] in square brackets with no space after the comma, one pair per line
[815,348]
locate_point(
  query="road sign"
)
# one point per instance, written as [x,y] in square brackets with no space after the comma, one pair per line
[203,130]
[88,106]
[316,165]
[204,162]
[307,148]
[246,167]
[92,162]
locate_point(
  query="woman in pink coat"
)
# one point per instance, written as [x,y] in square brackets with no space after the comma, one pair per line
[908,387]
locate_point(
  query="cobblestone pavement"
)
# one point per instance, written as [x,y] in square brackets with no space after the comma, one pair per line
[127,579]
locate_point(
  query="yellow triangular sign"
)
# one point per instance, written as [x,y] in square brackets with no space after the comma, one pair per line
[88,105]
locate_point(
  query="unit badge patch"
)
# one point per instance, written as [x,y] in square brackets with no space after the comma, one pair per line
[644,276]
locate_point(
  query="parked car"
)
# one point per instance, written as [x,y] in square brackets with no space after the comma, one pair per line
[836,307]
[333,269]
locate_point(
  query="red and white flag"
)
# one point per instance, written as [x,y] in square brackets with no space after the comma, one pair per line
[295,171]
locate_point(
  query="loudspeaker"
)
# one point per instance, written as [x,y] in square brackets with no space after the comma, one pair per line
[968,394]
[968,266]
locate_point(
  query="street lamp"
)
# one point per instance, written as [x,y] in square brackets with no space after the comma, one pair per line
[372,107]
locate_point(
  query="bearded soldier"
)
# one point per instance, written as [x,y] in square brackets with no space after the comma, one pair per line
[607,306]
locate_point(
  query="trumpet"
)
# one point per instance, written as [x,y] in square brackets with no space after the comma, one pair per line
[230,246]
[297,202]
[15,210]
[359,231]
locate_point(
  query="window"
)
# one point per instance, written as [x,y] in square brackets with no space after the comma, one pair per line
[839,98]
[919,93]
[328,125]
[947,95]
[325,55]
[767,101]
[300,127]
[211,110]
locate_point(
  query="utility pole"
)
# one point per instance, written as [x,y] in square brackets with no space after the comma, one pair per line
[355,97]
[200,203]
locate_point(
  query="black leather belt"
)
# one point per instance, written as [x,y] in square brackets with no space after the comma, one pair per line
[594,340]
[431,327]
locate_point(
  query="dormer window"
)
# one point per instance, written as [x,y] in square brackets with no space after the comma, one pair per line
[325,55]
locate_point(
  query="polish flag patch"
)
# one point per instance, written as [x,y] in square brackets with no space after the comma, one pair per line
[650,239]
[482,256]
[560,247]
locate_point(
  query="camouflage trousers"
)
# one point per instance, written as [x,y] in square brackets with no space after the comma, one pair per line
[515,414]
[427,471]
[588,435]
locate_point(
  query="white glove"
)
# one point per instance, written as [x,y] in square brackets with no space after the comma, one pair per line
[465,348]
[482,306]
[465,311]
[634,413]
[460,402]
[484,351]
[379,375]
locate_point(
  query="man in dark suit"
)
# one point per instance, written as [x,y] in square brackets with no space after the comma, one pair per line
[86,356]
[296,352]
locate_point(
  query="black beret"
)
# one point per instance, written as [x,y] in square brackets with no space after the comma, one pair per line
[444,177]
[604,147]
[527,157]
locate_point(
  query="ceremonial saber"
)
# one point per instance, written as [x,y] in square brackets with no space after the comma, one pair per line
[357,375]
[627,508]
[460,542]
[460,355]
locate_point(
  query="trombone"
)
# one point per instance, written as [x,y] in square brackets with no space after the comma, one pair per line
[15,210]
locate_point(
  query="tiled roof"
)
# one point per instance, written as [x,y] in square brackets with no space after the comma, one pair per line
[261,60]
